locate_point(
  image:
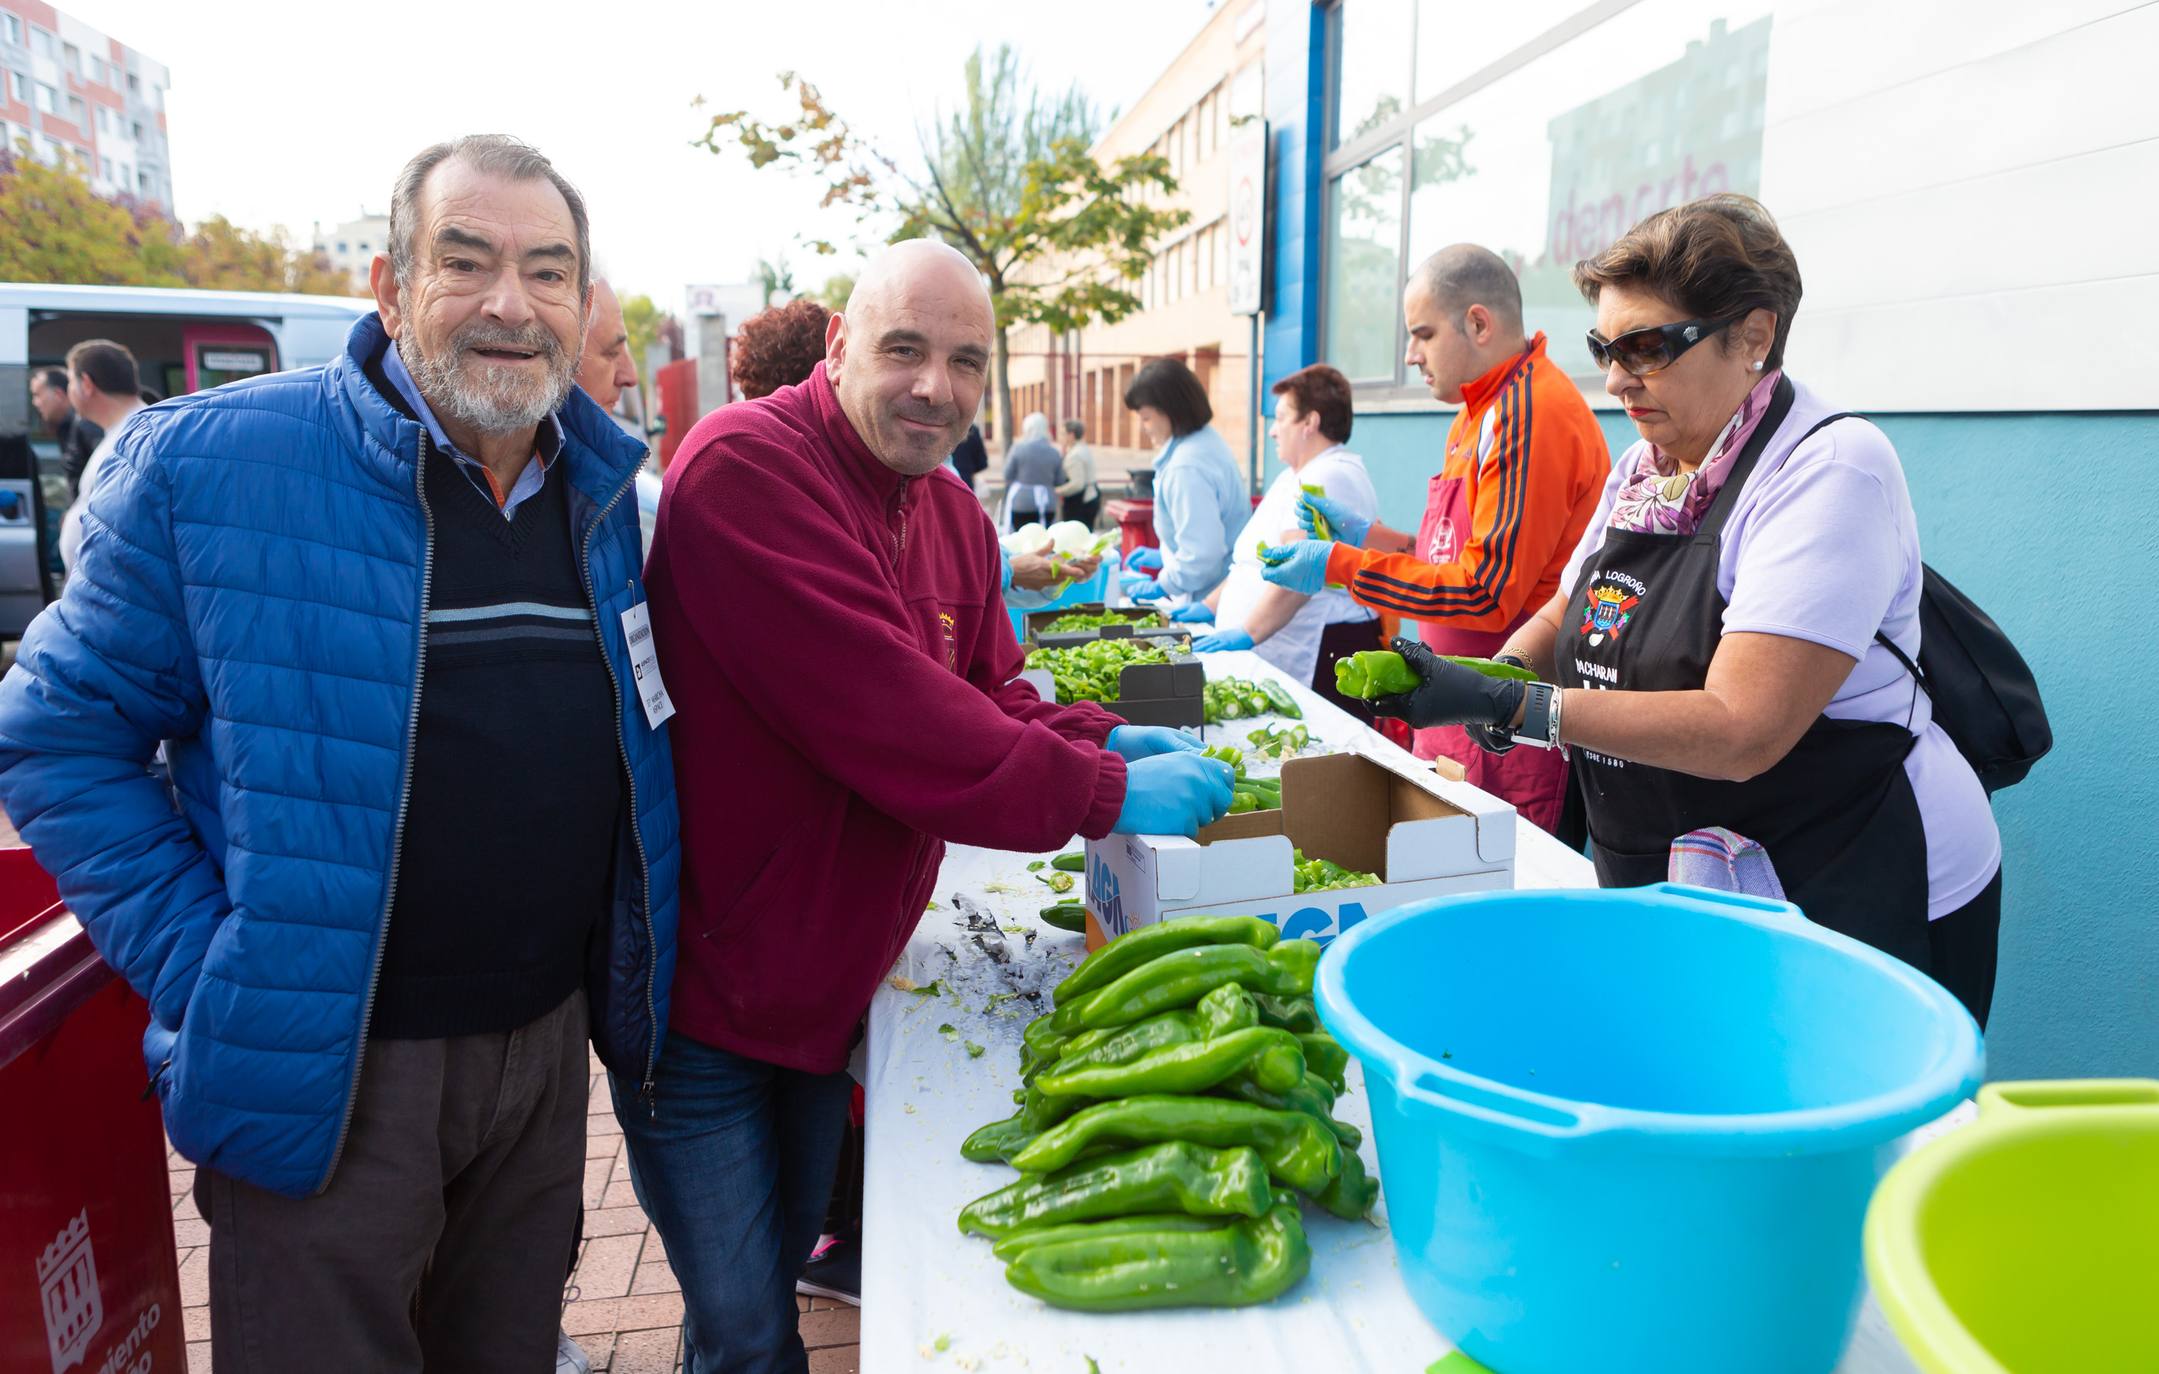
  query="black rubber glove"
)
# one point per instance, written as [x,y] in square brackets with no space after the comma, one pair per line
[1451,694]
[1496,739]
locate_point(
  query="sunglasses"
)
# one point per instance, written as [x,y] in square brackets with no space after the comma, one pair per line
[1643,351]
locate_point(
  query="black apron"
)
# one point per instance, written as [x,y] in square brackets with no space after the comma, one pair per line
[1836,814]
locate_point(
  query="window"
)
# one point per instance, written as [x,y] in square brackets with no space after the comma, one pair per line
[1372,56]
[104,120]
[137,133]
[134,84]
[41,42]
[1543,143]
[363,246]
[78,113]
[48,99]
[21,85]
[72,56]
[100,71]
[49,150]
[12,27]
[142,185]
[104,168]
[341,247]
[1364,268]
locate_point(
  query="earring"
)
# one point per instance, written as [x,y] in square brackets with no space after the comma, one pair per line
[1758,364]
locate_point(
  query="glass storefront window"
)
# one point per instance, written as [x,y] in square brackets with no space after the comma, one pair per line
[1364,268]
[1372,53]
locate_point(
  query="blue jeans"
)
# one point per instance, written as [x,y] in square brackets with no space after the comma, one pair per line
[733,1160]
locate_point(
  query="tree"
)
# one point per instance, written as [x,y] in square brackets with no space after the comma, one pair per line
[1007,180]
[54,228]
[776,278]
[834,293]
[641,319]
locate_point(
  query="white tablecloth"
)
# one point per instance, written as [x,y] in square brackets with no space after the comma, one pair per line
[939,1065]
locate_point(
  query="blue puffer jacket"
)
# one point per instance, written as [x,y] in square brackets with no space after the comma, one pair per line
[251,592]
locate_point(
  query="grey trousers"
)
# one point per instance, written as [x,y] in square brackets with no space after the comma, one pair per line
[442,1240]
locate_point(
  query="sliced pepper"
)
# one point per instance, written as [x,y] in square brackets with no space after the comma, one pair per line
[1127,952]
[1176,1174]
[1299,1151]
[1236,1265]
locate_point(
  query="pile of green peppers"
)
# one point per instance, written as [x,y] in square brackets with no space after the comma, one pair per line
[1177,1102]
[1093,671]
[1100,620]
[1323,875]
[1246,793]
[1236,698]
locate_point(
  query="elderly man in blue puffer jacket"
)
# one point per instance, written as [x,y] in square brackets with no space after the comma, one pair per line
[419,836]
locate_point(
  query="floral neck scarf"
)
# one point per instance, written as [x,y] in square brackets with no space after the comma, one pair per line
[1657,498]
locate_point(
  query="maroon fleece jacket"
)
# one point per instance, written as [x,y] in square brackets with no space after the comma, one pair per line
[835,640]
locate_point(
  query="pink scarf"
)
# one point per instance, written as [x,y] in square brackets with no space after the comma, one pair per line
[1657,498]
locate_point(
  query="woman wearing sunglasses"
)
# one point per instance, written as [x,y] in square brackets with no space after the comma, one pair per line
[1719,653]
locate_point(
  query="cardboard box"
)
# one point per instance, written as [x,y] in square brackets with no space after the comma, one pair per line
[1067,638]
[1425,835]
[1172,693]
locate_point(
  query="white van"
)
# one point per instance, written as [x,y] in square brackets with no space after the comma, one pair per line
[183,341]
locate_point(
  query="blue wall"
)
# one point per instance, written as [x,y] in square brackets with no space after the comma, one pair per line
[2051,522]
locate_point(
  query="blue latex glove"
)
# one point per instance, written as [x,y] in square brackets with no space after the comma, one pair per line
[1198,613]
[1136,742]
[1298,567]
[1174,794]
[1145,589]
[1004,559]
[1222,641]
[1347,528]
[1145,560]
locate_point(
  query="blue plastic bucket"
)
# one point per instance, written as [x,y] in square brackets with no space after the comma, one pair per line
[1637,1130]
[1095,588]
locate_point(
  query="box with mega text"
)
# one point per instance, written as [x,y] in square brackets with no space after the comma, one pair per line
[1424,835]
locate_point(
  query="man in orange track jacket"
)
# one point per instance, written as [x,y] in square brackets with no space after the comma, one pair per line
[1524,466]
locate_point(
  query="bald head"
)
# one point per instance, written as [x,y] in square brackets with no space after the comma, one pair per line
[1463,307]
[1464,274]
[606,369]
[909,355]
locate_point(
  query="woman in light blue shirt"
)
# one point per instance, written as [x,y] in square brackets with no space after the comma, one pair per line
[1200,499]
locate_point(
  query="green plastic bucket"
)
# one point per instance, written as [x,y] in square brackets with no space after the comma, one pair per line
[2028,1242]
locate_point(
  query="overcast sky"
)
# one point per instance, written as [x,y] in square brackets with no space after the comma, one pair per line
[289,113]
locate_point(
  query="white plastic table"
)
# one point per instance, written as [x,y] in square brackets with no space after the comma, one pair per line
[939,1065]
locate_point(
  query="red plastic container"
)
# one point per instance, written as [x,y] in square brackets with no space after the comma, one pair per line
[1135,523]
[86,1238]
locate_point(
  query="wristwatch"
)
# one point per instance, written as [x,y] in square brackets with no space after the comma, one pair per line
[1540,716]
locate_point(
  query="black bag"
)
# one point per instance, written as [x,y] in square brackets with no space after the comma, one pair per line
[1985,697]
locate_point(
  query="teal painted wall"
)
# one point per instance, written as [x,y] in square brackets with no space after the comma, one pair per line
[2051,522]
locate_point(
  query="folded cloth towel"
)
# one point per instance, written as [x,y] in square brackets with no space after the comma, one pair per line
[1717,858]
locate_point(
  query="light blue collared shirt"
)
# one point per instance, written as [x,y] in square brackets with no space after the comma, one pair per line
[1200,504]
[549,442]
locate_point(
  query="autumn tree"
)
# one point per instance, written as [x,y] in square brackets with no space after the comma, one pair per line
[1007,179]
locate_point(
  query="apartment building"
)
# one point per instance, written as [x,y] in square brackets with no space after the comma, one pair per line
[71,93]
[1185,116]
[352,246]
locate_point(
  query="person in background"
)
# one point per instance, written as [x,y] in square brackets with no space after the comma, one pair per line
[1523,462]
[1034,470]
[819,520]
[605,369]
[778,346]
[1312,419]
[1200,499]
[1079,497]
[105,389]
[76,436]
[970,457]
[1731,645]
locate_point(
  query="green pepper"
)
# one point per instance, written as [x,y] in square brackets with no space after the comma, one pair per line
[1226,1266]
[1176,1174]
[1000,1140]
[1290,1013]
[1314,1096]
[1284,703]
[1019,1242]
[1065,916]
[1180,979]
[1273,1057]
[1352,1192]
[1374,673]
[1324,1055]
[1320,528]
[1242,802]
[1127,952]
[1070,863]
[1299,1151]
[1226,1009]
[1492,668]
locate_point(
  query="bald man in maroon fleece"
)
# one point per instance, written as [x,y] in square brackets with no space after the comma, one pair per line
[828,613]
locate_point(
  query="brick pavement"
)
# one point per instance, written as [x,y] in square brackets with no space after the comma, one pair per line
[627,1307]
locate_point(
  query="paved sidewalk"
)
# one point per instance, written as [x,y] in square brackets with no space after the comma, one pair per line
[628,1308]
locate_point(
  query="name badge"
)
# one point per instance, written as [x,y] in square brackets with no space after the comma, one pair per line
[645,665]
